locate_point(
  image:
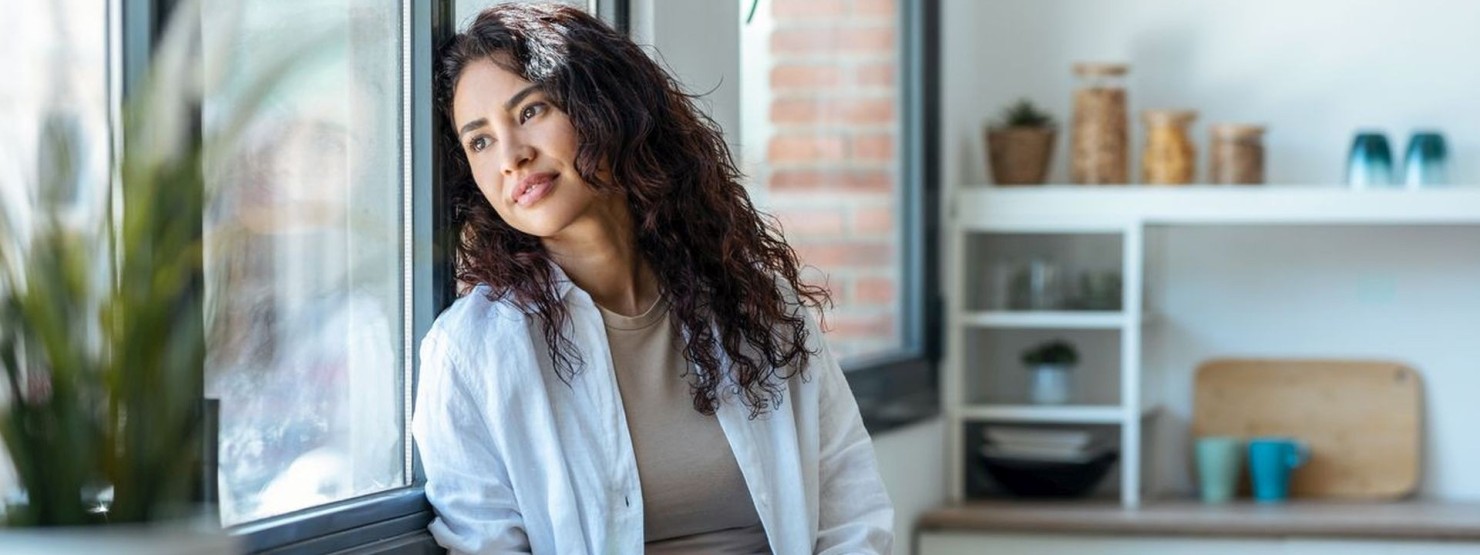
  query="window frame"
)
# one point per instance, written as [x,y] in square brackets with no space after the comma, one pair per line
[392,521]
[901,388]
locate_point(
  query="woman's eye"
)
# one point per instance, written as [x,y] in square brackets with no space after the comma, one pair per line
[478,144]
[530,111]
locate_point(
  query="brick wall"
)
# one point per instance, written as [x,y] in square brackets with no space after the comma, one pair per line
[831,171]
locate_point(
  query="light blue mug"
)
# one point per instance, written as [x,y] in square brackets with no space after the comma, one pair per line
[1271,459]
[1218,466]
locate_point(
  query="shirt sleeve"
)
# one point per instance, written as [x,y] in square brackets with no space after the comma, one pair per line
[467,477]
[856,515]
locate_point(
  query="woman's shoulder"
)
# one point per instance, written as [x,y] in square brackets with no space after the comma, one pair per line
[476,325]
[475,310]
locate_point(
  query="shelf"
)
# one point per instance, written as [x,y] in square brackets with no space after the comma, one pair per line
[1055,414]
[1428,520]
[1087,320]
[1077,208]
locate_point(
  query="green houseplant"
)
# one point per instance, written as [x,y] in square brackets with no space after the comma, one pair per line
[1020,144]
[1050,364]
[104,310]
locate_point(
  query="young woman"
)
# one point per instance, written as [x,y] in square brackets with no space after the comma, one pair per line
[635,368]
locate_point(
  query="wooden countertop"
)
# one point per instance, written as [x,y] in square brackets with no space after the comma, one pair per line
[1429,520]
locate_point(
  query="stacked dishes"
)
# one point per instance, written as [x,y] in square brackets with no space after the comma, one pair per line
[1035,462]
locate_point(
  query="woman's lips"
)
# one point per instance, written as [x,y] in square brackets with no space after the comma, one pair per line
[534,188]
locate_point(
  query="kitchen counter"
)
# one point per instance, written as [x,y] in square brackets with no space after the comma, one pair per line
[1426,520]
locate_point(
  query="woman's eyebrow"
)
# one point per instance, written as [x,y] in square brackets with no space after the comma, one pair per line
[520,96]
[480,122]
[509,105]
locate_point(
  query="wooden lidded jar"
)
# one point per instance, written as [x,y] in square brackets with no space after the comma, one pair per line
[1099,137]
[1237,154]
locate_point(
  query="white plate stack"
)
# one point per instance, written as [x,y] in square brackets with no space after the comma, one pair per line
[1039,444]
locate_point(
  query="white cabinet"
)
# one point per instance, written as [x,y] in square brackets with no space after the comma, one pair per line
[1117,391]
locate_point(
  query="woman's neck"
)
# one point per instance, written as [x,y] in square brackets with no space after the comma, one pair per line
[599,254]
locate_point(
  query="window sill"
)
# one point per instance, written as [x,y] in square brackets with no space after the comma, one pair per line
[895,394]
[347,525]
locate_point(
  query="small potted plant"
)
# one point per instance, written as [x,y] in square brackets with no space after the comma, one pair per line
[1050,364]
[1020,144]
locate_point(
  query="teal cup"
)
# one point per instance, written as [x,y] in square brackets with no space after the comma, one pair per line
[1271,459]
[1218,465]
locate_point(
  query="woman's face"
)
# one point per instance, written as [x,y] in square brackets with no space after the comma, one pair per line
[521,149]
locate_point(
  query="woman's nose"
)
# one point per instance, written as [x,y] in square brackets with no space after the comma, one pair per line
[514,154]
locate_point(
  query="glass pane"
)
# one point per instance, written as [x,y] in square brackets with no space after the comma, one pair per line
[54,56]
[820,134]
[465,10]
[308,358]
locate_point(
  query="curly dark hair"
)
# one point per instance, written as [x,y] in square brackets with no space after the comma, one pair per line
[723,265]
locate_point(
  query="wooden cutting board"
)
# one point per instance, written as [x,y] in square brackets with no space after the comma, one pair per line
[1361,419]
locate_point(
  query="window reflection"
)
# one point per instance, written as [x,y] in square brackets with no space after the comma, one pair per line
[307,351]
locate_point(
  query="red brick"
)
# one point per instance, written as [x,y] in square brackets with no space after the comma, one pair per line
[875,8]
[857,111]
[880,74]
[791,76]
[805,148]
[820,40]
[873,220]
[802,9]
[855,254]
[810,222]
[875,291]
[874,147]
[797,111]
[874,110]
[854,181]
[880,326]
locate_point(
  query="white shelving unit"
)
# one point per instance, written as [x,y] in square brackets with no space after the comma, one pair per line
[1126,211]
[1045,319]
[1062,414]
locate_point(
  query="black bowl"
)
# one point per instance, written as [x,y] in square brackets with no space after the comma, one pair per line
[1040,478]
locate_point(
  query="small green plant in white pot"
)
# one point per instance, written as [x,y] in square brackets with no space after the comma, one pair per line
[1051,365]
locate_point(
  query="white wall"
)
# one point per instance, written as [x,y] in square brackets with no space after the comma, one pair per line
[912,462]
[1313,70]
[1407,294]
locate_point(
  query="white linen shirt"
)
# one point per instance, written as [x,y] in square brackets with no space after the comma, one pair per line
[516,461]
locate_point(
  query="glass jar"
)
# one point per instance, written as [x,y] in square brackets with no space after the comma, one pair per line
[1098,146]
[1169,158]
[1236,155]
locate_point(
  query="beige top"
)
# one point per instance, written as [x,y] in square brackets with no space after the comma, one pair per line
[694,496]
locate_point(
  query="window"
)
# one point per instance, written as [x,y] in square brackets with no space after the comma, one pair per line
[465,10]
[310,365]
[821,139]
[838,135]
[54,56]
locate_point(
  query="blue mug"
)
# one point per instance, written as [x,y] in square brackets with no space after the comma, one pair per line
[1425,163]
[1270,461]
[1370,164]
